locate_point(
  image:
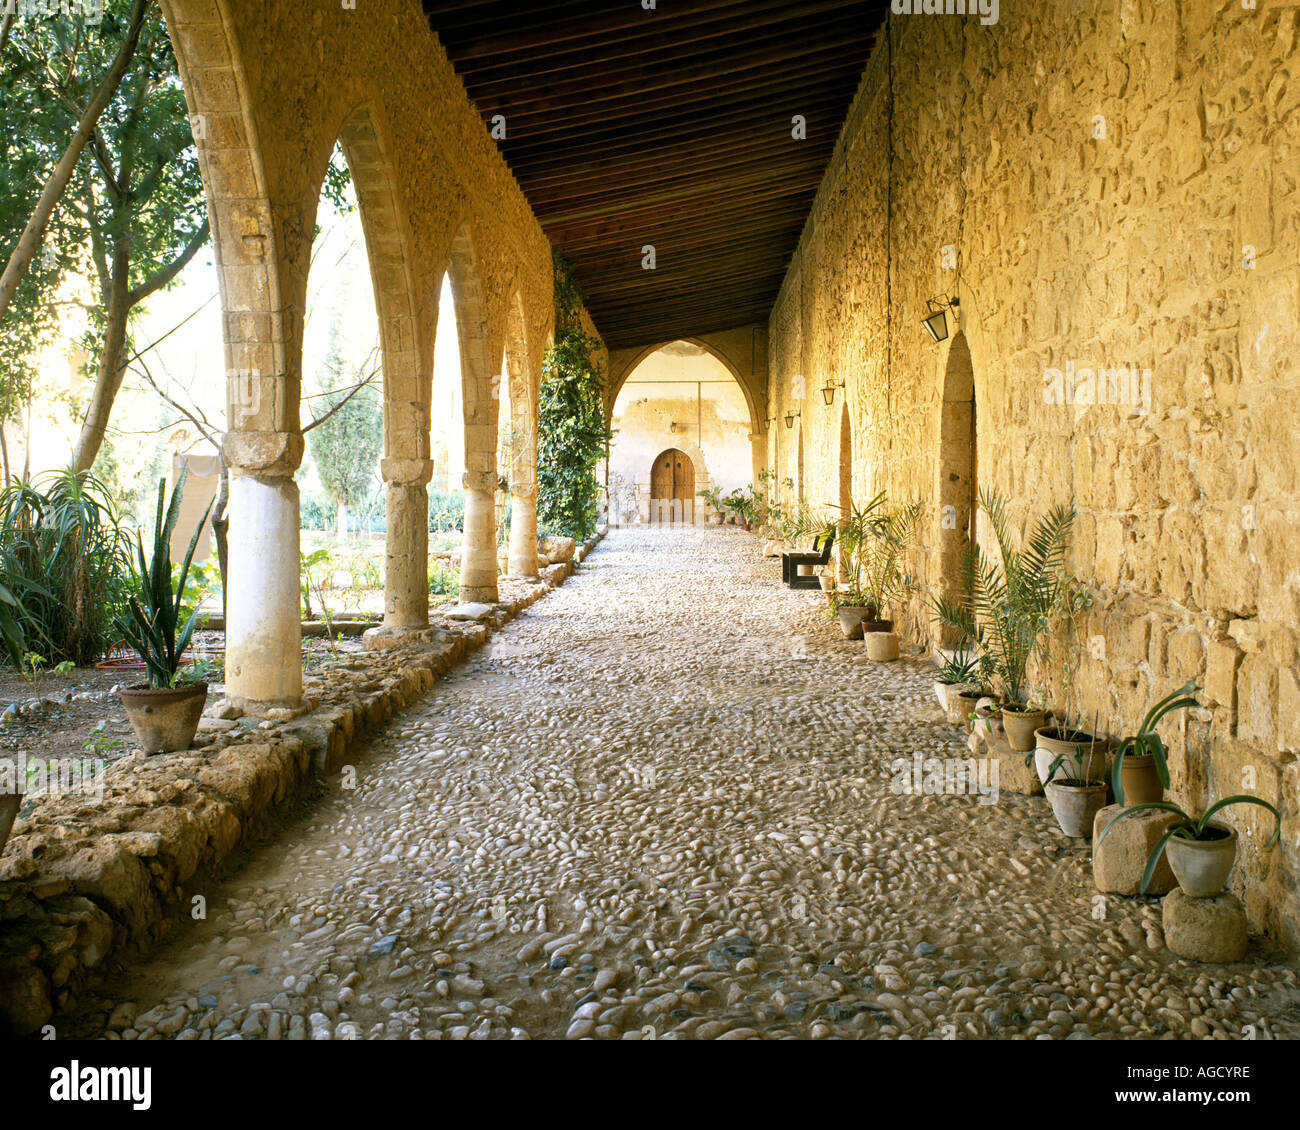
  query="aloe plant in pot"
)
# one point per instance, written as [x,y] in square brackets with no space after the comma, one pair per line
[165,711]
[1200,853]
[1076,789]
[1140,773]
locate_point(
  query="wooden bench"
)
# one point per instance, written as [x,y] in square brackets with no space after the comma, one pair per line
[820,555]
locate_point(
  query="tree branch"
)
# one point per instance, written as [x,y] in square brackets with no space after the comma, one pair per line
[163,277]
[25,250]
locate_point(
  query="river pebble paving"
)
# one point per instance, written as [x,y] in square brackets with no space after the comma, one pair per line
[661,805]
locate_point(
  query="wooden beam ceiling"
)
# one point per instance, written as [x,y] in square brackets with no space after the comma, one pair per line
[670,127]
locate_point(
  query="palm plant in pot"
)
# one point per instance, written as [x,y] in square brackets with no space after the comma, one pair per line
[854,605]
[164,711]
[964,674]
[885,580]
[1140,773]
[1200,852]
[1011,599]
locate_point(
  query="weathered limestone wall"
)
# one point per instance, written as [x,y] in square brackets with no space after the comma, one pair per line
[684,398]
[1118,183]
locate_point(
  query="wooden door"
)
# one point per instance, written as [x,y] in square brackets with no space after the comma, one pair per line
[672,486]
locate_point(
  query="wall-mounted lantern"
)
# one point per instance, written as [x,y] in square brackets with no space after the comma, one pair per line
[936,321]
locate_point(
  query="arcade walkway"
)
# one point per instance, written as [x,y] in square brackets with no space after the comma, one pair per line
[659,804]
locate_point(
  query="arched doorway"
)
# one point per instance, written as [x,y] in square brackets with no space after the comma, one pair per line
[956,488]
[672,487]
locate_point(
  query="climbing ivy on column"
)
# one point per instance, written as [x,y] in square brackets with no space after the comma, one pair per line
[571,430]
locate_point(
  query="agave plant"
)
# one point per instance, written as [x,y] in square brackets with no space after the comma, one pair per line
[1147,742]
[1190,827]
[1011,599]
[152,627]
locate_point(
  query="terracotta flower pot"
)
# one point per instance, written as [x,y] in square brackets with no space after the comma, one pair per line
[165,720]
[1076,804]
[882,647]
[1020,726]
[966,698]
[1049,744]
[1140,779]
[851,617]
[1201,866]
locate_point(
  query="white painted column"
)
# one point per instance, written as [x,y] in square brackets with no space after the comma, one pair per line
[263,621]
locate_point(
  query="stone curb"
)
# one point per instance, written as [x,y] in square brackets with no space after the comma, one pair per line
[82,880]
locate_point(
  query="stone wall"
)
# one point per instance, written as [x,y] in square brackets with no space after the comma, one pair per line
[1117,184]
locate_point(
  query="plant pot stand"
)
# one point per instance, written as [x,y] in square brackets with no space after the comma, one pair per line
[882,647]
[1119,860]
[1205,929]
[1014,776]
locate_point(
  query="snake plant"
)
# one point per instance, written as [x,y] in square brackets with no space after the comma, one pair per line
[153,627]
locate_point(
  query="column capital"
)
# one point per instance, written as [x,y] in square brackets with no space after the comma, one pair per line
[397,471]
[262,454]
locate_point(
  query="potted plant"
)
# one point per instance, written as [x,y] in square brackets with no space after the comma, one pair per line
[165,711]
[1076,791]
[884,578]
[853,605]
[1201,853]
[1011,599]
[1140,773]
[964,673]
[958,671]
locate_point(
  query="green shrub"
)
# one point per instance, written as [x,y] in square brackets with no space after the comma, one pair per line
[65,568]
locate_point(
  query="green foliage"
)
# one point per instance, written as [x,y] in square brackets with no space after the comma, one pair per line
[874,540]
[571,434]
[154,627]
[446,511]
[1012,599]
[444,580]
[1146,742]
[64,568]
[314,572]
[1190,827]
[347,445]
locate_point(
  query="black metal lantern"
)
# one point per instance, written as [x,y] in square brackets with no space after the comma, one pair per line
[936,321]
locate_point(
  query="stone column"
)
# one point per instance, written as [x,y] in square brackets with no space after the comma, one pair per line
[263,622]
[478,556]
[406,547]
[523,510]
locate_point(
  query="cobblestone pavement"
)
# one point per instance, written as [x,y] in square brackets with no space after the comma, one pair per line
[659,805]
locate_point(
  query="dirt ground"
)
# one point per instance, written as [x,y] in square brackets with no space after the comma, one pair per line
[66,728]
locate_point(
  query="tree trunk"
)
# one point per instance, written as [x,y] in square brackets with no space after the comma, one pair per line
[221,529]
[108,378]
[343,521]
[30,241]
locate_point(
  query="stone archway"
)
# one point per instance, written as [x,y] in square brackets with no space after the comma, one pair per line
[406,466]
